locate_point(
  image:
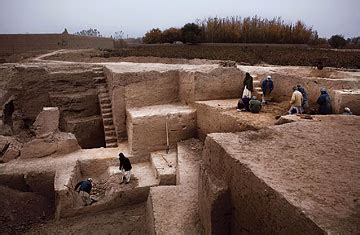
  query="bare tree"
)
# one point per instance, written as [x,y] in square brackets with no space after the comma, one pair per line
[118,35]
[90,33]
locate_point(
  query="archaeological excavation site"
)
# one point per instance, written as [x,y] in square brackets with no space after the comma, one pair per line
[199,166]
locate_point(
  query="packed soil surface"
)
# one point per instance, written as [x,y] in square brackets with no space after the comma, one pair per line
[124,220]
[19,211]
[313,164]
[288,56]
[97,56]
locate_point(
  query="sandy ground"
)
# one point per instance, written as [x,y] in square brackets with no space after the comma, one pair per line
[124,220]
[267,114]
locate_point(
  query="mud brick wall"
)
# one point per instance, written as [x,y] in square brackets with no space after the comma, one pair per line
[284,84]
[18,43]
[347,98]
[128,90]
[220,83]
[252,200]
[212,119]
[147,128]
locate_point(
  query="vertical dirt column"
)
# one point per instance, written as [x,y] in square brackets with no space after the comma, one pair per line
[214,203]
[118,109]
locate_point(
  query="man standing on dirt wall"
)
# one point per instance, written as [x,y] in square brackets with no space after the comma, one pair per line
[247,90]
[84,190]
[267,86]
[125,167]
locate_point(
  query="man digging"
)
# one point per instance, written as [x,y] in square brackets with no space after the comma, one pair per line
[85,187]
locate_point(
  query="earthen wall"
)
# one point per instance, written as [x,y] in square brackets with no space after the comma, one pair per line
[251,199]
[18,43]
[283,87]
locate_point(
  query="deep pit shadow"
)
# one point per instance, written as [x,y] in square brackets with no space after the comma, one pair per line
[26,201]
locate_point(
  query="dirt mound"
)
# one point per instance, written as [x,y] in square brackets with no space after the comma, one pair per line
[21,210]
[105,186]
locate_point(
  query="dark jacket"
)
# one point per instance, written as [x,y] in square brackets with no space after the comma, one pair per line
[125,163]
[304,93]
[248,82]
[324,103]
[255,106]
[267,83]
[246,101]
[240,104]
[85,185]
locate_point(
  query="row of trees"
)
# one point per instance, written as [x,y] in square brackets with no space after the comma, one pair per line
[338,41]
[189,33]
[236,30]
[255,30]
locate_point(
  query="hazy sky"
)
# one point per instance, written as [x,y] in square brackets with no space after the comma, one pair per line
[135,17]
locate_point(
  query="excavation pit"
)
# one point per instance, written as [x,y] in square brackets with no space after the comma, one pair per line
[107,187]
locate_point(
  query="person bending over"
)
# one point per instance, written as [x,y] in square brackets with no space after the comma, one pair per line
[125,167]
[84,190]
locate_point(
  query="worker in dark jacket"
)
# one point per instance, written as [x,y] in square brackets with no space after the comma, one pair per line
[324,102]
[305,101]
[248,88]
[254,105]
[248,83]
[84,190]
[267,86]
[125,167]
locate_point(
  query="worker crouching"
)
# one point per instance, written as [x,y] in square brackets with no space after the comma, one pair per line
[84,190]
